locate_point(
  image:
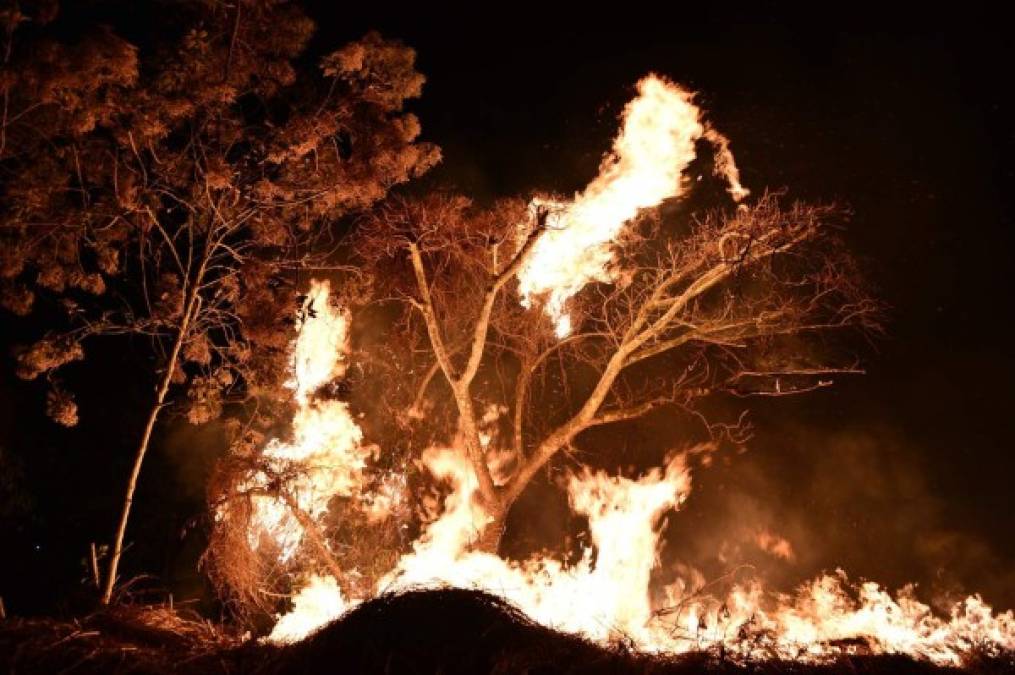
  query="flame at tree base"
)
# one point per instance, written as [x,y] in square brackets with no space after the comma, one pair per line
[606,596]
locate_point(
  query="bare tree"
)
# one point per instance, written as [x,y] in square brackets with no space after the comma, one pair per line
[728,304]
[179,206]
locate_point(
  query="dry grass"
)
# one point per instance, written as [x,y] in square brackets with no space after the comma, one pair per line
[447,631]
[125,639]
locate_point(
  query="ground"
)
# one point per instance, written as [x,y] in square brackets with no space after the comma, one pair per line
[444,631]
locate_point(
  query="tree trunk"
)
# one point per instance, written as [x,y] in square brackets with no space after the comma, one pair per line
[142,449]
[314,534]
[488,540]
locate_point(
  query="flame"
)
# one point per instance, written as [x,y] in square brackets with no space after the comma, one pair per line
[612,591]
[827,616]
[603,596]
[319,602]
[318,354]
[325,456]
[606,595]
[774,545]
[646,166]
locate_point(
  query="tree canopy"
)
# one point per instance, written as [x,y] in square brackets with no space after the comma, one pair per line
[176,189]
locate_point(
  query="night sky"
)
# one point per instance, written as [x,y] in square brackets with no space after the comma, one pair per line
[904,474]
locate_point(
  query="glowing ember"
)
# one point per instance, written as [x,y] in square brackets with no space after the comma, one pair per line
[656,144]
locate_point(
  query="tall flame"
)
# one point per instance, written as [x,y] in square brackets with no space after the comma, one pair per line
[603,596]
[325,456]
[646,166]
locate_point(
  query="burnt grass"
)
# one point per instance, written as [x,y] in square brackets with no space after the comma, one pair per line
[434,631]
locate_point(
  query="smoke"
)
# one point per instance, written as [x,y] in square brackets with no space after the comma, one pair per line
[809,494]
[855,498]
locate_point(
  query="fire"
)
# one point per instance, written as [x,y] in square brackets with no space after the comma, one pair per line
[611,592]
[325,456]
[774,545]
[646,166]
[829,612]
[319,350]
[607,594]
[317,603]
[604,596]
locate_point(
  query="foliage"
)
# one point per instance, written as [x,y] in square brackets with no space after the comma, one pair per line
[185,183]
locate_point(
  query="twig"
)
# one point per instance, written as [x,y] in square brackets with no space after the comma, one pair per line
[95,566]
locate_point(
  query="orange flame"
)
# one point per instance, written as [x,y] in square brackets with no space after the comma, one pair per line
[606,595]
[325,456]
[655,146]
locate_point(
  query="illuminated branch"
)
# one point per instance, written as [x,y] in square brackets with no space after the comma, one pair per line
[711,299]
[624,414]
[508,273]
[522,383]
[778,376]
[314,533]
[417,401]
[467,415]
[425,306]
[639,341]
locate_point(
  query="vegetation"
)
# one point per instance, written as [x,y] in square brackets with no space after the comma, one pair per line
[391,634]
[175,192]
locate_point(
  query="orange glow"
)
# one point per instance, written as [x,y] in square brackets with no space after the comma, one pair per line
[325,456]
[610,592]
[646,166]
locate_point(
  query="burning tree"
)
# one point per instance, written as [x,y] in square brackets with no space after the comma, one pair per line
[693,312]
[175,192]
[495,339]
[567,316]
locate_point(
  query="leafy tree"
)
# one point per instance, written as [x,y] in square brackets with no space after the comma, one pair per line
[172,189]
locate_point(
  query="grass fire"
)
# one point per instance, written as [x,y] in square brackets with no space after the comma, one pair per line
[366,342]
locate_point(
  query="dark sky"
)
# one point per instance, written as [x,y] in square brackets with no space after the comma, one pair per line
[904,116]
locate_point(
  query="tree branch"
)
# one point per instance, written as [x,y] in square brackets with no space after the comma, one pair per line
[483,321]
[467,416]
